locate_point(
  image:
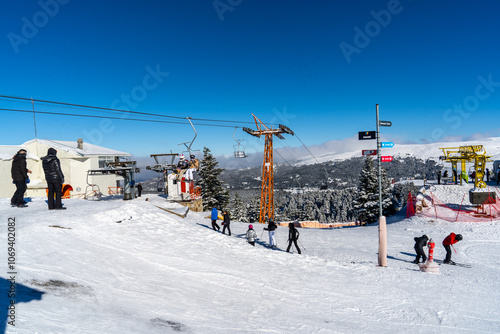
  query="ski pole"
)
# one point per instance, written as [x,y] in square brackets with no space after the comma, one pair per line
[262,234]
[454,249]
[301,244]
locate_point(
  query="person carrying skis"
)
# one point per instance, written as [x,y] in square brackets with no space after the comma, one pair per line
[226,223]
[293,236]
[447,243]
[420,243]
[251,235]
[214,217]
[271,228]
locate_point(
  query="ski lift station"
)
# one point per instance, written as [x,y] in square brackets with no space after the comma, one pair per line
[76,157]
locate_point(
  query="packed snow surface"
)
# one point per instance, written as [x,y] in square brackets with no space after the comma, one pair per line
[115,266]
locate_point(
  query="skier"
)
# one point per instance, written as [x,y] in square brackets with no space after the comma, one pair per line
[293,236]
[251,235]
[226,223]
[420,243]
[19,173]
[447,242]
[214,217]
[194,164]
[271,228]
[55,179]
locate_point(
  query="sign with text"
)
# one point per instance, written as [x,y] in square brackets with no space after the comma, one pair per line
[386,158]
[385,123]
[386,144]
[369,152]
[364,135]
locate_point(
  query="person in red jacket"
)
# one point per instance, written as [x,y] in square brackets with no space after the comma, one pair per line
[447,242]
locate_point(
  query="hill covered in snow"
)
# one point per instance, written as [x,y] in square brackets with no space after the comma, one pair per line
[115,266]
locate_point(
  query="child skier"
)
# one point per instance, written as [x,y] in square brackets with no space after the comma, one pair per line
[293,236]
[447,242]
[251,235]
[420,243]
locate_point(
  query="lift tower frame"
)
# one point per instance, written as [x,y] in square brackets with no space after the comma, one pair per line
[267,189]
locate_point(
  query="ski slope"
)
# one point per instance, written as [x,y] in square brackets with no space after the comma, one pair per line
[115,266]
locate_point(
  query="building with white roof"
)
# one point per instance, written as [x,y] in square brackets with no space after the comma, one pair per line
[76,159]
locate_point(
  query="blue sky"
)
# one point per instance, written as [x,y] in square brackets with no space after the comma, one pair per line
[318,67]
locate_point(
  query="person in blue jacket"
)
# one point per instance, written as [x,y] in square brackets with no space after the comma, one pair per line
[214,217]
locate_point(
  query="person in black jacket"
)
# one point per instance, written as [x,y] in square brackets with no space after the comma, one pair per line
[19,173]
[54,178]
[139,190]
[271,228]
[293,236]
[420,243]
[226,223]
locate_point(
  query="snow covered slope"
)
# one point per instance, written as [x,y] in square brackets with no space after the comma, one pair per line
[118,266]
[422,151]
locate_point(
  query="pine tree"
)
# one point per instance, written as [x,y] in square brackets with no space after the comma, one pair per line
[367,201]
[212,191]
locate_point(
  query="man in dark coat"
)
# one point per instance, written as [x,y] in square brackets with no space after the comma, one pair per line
[226,223]
[54,178]
[19,173]
[293,236]
[420,243]
[139,190]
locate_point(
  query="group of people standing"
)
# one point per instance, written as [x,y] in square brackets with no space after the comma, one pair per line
[251,235]
[53,175]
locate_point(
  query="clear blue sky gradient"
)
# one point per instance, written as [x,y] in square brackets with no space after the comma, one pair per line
[433,67]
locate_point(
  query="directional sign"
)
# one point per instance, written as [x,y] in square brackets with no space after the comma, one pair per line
[386,158]
[386,144]
[364,135]
[369,152]
[385,123]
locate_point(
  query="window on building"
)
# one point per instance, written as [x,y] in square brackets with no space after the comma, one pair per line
[105,159]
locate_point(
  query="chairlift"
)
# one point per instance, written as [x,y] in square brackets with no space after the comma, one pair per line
[237,152]
[188,147]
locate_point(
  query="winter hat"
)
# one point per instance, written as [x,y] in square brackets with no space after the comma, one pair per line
[250,226]
[192,156]
[52,151]
[426,236]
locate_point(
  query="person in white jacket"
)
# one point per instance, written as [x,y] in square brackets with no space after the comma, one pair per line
[251,235]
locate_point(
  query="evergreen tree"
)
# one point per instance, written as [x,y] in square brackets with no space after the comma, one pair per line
[212,191]
[367,201]
[238,210]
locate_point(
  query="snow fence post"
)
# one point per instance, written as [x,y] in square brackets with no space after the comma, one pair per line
[430,266]
[382,242]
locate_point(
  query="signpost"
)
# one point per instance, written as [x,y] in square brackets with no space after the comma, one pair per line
[365,135]
[369,152]
[385,123]
[386,158]
[387,144]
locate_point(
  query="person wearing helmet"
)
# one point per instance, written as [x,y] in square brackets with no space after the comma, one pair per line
[194,164]
[447,244]
[420,243]
[293,236]
[271,228]
[251,235]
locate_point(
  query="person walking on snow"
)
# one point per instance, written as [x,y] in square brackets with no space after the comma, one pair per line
[447,243]
[271,228]
[420,243]
[55,179]
[19,173]
[251,235]
[214,217]
[226,223]
[293,236]
[487,175]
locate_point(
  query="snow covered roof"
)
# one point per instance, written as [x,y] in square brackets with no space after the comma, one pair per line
[72,147]
[8,151]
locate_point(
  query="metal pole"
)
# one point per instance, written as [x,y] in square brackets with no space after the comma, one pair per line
[382,229]
[379,160]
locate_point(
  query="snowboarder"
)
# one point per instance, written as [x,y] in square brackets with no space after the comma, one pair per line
[226,223]
[214,217]
[271,227]
[447,243]
[194,164]
[19,173]
[251,235]
[420,243]
[139,189]
[293,236]
[55,179]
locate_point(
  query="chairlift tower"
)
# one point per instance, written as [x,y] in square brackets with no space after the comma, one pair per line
[267,190]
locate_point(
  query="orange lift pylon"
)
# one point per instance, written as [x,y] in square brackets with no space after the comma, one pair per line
[267,190]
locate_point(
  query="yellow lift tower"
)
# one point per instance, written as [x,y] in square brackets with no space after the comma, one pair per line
[464,154]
